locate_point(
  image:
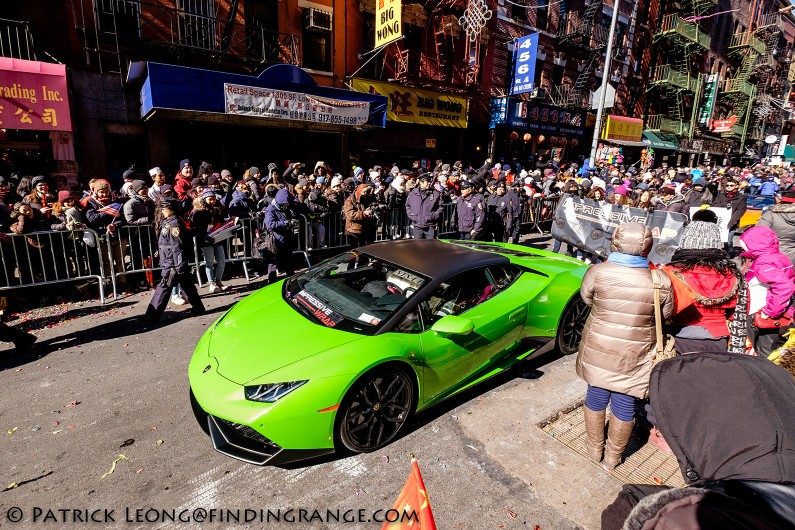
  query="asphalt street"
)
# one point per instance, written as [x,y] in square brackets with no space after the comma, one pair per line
[103,388]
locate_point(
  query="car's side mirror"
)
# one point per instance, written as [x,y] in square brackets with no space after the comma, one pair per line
[453,325]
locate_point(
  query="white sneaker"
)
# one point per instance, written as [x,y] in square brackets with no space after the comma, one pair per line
[178,300]
[213,287]
[587,261]
[221,286]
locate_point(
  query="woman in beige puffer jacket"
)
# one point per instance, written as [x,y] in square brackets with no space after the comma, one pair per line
[618,345]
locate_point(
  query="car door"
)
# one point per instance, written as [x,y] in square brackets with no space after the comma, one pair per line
[496,306]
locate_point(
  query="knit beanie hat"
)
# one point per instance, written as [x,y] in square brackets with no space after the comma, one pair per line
[138,185]
[620,190]
[701,235]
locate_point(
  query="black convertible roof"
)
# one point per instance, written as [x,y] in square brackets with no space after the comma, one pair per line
[431,257]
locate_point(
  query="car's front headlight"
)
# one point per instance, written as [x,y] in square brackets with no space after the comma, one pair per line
[271,392]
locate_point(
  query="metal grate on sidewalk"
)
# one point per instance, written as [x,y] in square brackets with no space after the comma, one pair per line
[644,463]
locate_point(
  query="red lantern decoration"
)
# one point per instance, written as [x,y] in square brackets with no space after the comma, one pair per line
[563,142]
[527,137]
[514,135]
[574,142]
[540,138]
[553,141]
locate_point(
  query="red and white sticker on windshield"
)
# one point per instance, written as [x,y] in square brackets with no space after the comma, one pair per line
[321,311]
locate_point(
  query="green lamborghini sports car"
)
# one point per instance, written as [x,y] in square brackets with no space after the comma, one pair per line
[341,355]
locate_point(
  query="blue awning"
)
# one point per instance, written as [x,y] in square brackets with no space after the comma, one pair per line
[282,93]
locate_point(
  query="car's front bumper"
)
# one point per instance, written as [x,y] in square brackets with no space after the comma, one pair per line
[290,429]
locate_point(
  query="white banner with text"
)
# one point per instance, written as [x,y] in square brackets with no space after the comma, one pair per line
[284,105]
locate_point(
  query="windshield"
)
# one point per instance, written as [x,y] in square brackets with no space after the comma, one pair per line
[352,292]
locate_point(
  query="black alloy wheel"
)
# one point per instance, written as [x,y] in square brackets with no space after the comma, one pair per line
[375,409]
[571,325]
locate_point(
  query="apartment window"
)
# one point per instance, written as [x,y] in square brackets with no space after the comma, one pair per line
[196,24]
[538,72]
[317,50]
[542,15]
[262,26]
[557,74]
[118,16]
[518,13]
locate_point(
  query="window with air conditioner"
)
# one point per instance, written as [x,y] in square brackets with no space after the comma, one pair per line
[317,20]
[196,24]
[316,40]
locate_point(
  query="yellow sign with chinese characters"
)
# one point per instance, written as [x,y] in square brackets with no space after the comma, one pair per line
[388,21]
[415,105]
[622,128]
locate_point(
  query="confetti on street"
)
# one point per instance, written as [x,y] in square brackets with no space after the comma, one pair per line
[113,465]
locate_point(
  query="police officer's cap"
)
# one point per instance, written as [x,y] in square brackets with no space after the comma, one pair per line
[426,177]
[465,185]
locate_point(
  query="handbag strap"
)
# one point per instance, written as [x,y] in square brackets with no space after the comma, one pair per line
[655,275]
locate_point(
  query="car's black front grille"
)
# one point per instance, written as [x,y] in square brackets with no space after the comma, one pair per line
[250,433]
[241,441]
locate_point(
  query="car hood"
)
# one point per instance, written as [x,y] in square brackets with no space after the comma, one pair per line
[263,333]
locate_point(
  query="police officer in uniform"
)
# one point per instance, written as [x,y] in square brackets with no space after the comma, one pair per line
[498,214]
[174,242]
[469,210]
[517,198]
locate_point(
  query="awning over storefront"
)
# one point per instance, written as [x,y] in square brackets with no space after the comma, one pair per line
[659,141]
[282,94]
[33,96]
[625,143]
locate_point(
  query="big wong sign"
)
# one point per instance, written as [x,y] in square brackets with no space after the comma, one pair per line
[388,21]
[33,96]
[285,105]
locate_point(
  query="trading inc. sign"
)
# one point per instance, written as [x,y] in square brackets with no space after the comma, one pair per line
[414,105]
[388,21]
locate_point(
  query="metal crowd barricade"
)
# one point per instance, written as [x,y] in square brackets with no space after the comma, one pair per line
[239,247]
[132,250]
[542,213]
[448,221]
[48,257]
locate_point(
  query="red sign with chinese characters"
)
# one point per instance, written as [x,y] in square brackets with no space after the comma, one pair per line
[33,96]
[724,125]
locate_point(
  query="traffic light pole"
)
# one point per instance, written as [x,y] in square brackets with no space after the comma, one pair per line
[605,78]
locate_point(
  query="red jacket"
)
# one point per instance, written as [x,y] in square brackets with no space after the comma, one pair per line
[181,187]
[715,300]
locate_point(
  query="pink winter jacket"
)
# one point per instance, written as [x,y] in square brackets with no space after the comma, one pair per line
[771,267]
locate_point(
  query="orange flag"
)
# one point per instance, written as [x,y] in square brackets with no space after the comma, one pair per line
[412,504]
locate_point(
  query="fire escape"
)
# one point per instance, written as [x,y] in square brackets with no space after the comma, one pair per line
[184,29]
[580,35]
[674,81]
[445,58]
[738,92]
[764,110]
